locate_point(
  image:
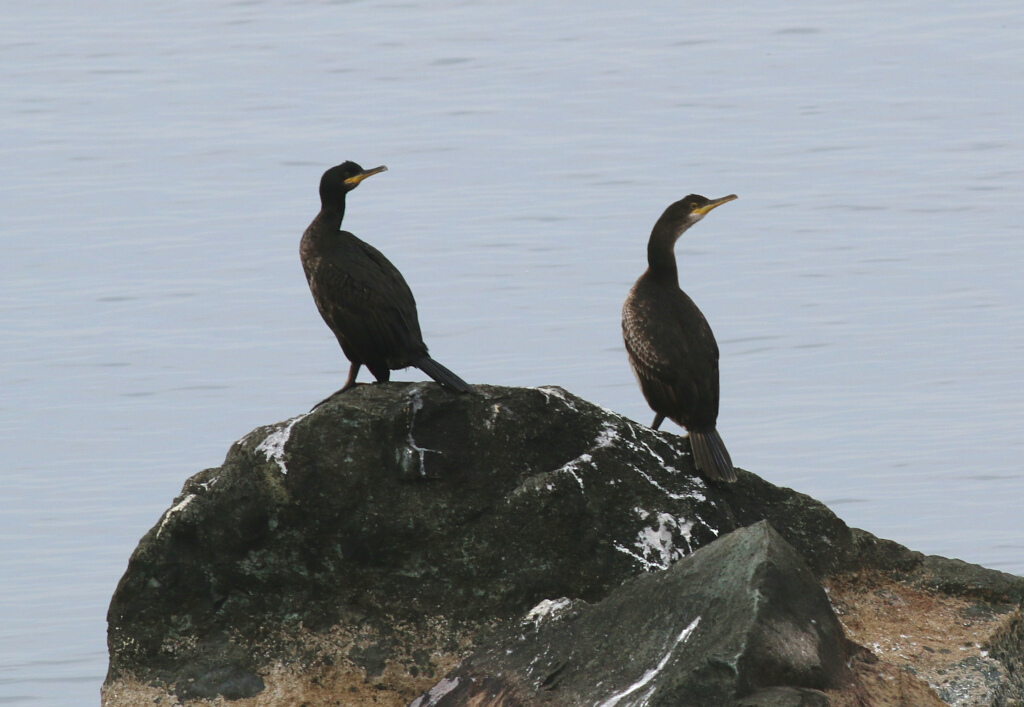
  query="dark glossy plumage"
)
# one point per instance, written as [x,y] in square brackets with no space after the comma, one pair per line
[363,297]
[670,345]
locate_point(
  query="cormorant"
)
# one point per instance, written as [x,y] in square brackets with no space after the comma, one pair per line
[360,294]
[670,345]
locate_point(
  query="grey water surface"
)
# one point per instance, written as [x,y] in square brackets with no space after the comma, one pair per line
[160,161]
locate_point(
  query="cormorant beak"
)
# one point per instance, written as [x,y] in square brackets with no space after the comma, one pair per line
[715,203]
[369,173]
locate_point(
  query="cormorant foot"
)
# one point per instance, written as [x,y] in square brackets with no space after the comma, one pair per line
[335,394]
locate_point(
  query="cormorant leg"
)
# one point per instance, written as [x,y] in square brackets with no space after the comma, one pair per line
[353,371]
[658,419]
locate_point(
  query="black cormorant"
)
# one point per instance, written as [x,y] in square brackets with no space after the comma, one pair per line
[670,345]
[360,294]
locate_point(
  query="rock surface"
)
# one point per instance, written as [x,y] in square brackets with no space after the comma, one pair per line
[741,615]
[355,554]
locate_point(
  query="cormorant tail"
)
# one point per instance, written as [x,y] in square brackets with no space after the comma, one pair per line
[442,375]
[711,456]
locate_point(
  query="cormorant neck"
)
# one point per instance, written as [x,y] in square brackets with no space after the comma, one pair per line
[331,213]
[661,258]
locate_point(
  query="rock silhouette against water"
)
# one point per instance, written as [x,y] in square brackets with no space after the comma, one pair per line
[355,554]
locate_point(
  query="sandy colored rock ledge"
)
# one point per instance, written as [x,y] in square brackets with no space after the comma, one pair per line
[946,641]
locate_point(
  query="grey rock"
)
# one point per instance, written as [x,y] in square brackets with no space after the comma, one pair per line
[785,697]
[739,616]
[1007,646]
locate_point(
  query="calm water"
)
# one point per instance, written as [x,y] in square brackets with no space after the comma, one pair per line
[159,164]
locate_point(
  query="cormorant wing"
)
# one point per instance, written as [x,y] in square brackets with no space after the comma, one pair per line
[675,357]
[367,303]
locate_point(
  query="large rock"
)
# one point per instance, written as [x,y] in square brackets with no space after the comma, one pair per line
[367,547]
[742,615]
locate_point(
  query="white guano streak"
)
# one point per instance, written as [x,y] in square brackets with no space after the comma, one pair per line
[175,509]
[656,546]
[417,405]
[273,445]
[547,609]
[436,693]
[652,673]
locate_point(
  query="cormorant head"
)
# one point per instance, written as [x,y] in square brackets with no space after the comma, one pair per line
[339,181]
[684,213]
